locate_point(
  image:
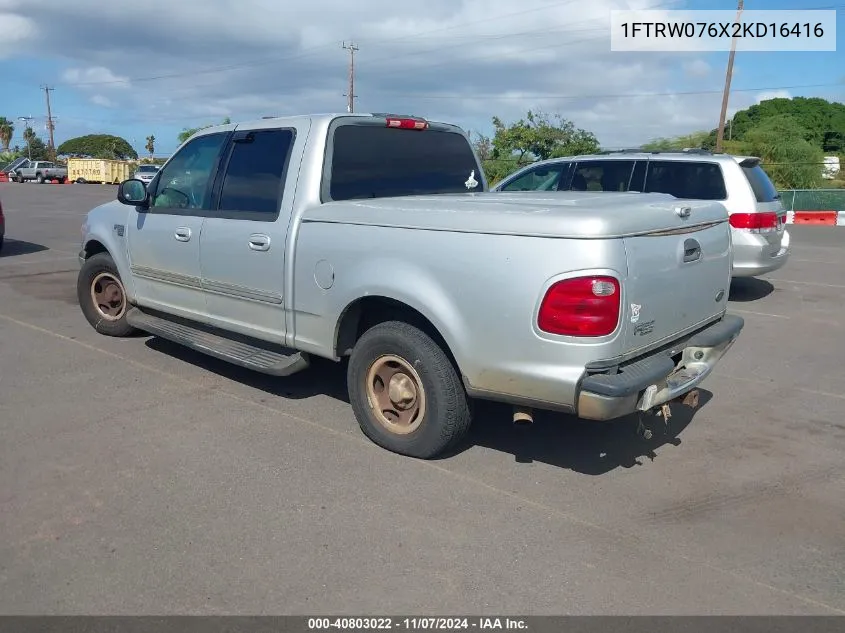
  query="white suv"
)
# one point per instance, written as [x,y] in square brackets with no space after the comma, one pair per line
[760,240]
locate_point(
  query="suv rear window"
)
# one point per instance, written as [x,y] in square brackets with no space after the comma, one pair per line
[370,161]
[761,184]
[686,179]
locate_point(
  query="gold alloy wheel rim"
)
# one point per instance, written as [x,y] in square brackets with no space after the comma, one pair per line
[108,296]
[395,394]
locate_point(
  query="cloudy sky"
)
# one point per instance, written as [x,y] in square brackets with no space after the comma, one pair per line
[156,66]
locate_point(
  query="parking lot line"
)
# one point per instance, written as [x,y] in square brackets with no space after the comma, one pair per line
[810,283]
[633,539]
[814,392]
[765,314]
[40,261]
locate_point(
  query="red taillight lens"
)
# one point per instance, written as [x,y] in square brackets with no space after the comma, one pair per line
[756,222]
[407,124]
[584,306]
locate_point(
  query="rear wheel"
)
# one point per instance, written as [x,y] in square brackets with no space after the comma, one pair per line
[102,296]
[41,179]
[405,391]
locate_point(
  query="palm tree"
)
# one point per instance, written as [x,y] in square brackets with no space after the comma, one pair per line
[151,145]
[7,130]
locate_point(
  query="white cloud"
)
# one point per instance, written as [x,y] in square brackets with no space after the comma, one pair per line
[773,94]
[100,100]
[94,77]
[697,68]
[458,60]
[15,30]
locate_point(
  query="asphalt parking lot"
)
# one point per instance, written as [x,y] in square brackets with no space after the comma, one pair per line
[140,478]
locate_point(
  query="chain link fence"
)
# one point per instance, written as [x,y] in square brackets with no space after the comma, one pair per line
[813,199]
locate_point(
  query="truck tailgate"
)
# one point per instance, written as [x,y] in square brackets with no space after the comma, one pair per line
[676,280]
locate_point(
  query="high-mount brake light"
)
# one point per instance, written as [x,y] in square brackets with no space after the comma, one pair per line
[407,124]
[765,222]
[583,306]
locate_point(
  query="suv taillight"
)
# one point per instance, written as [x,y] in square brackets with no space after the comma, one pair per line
[765,222]
[583,306]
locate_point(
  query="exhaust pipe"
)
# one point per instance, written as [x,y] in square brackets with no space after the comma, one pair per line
[522,416]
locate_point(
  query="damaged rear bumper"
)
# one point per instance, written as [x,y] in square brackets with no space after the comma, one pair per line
[659,378]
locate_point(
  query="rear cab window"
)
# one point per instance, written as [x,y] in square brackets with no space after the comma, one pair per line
[696,180]
[367,159]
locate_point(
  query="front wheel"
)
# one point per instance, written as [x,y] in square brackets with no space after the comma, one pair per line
[102,296]
[405,391]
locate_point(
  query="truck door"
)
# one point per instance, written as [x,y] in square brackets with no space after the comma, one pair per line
[164,240]
[242,249]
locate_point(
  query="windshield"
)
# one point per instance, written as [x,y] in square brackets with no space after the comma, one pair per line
[148,169]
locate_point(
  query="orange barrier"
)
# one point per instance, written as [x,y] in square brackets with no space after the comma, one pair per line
[823,218]
[4,177]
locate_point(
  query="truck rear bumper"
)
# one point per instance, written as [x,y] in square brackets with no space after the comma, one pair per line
[656,379]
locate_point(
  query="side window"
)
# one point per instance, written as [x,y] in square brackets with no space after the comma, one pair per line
[253,183]
[540,178]
[686,179]
[184,183]
[602,175]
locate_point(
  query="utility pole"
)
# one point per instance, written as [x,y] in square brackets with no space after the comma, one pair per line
[728,75]
[350,96]
[50,125]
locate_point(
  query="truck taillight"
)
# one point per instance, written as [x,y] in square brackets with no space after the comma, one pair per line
[583,306]
[765,222]
[407,124]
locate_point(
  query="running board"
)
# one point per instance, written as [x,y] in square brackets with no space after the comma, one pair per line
[236,352]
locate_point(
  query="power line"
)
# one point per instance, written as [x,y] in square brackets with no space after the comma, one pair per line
[314,49]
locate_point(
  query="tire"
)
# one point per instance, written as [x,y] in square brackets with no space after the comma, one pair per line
[40,178]
[443,413]
[99,274]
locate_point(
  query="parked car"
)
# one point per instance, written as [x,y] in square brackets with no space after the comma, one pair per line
[146,173]
[757,217]
[42,171]
[270,242]
[2,226]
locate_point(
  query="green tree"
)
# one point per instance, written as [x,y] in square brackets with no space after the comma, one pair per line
[151,145]
[7,131]
[699,139]
[792,161]
[98,146]
[540,136]
[188,132]
[36,148]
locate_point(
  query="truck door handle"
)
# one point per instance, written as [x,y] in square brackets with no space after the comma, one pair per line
[259,242]
[692,251]
[183,234]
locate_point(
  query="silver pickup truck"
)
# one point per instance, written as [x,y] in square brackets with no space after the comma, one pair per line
[41,171]
[372,239]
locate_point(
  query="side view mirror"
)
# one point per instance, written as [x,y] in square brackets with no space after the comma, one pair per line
[133,192]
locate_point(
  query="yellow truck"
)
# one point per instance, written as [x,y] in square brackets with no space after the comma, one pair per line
[103,171]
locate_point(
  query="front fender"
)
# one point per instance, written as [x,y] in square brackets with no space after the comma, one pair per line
[108,225]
